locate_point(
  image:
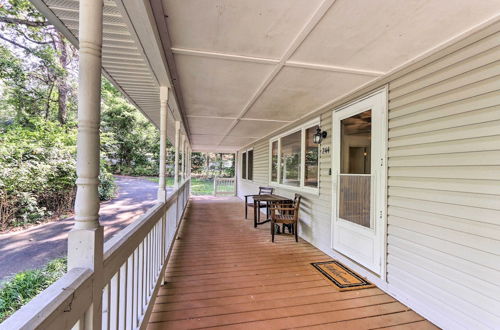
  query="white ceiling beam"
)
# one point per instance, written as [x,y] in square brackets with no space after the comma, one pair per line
[295,64]
[312,66]
[224,56]
[210,117]
[318,14]
[269,120]
[233,118]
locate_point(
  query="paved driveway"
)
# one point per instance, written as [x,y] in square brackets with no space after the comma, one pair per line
[35,246]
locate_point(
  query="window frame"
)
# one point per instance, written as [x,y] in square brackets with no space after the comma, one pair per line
[278,169]
[302,188]
[244,174]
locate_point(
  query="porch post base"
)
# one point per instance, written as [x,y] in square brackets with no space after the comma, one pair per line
[162,195]
[85,250]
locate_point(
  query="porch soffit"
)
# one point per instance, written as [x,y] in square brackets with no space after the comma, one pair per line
[123,59]
[248,68]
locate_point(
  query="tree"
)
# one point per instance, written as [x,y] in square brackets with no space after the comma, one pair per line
[38,79]
[44,84]
[197,162]
[130,141]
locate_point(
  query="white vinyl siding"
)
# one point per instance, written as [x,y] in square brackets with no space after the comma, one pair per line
[443,235]
[444,184]
[315,205]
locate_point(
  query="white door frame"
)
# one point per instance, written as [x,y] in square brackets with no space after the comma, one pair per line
[378,99]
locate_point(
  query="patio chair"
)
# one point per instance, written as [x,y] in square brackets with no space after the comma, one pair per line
[286,214]
[262,191]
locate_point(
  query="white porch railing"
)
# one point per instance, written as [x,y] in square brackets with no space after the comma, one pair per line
[224,186]
[134,261]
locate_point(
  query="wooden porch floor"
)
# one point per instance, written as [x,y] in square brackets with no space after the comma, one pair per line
[225,273]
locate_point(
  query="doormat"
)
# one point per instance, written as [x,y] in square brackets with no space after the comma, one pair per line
[343,278]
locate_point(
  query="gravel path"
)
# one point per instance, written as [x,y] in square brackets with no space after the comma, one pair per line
[35,246]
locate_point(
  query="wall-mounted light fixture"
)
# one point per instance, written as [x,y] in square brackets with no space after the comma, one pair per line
[319,136]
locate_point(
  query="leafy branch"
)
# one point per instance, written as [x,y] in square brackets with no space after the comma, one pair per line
[13,20]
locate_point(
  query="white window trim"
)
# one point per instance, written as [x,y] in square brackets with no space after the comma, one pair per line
[246,165]
[302,128]
[243,172]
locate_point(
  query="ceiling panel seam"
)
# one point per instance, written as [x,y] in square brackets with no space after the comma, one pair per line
[318,14]
[243,119]
[264,60]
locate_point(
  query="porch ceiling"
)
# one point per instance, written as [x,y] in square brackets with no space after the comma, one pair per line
[241,69]
[247,68]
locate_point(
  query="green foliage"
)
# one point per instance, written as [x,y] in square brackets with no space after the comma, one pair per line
[213,164]
[131,142]
[37,122]
[37,65]
[107,185]
[25,285]
[37,172]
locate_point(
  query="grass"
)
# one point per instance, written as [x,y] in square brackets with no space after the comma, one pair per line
[202,186]
[198,186]
[24,286]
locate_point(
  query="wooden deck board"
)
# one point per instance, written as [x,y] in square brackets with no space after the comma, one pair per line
[223,273]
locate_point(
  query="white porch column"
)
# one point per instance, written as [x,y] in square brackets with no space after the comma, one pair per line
[162,192]
[176,159]
[183,160]
[85,240]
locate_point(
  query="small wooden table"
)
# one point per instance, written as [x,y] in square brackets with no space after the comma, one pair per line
[269,199]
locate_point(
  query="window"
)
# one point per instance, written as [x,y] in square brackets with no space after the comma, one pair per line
[247,165]
[294,158]
[291,159]
[250,165]
[311,174]
[274,161]
[244,166]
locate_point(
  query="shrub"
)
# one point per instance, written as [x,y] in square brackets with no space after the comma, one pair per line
[107,186]
[25,285]
[38,173]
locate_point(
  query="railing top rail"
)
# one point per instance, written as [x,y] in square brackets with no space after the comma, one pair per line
[118,248]
[48,310]
[64,303]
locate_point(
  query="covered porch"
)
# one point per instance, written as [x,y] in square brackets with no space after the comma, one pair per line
[258,78]
[224,273]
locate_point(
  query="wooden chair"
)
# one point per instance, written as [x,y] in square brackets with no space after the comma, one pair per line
[286,214]
[262,191]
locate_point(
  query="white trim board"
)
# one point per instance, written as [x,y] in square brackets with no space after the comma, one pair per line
[374,236]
